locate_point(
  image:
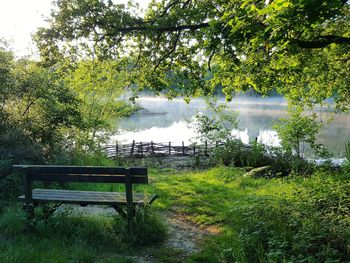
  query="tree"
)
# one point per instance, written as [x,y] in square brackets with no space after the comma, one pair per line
[98,85]
[299,129]
[216,124]
[71,104]
[35,108]
[298,47]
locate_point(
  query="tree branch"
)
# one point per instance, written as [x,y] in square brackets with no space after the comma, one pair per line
[163,13]
[170,52]
[161,29]
[322,41]
[209,60]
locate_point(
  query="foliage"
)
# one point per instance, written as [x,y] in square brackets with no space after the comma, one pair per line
[34,108]
[278,220]
[298,129]
[298,47]
[10,186]
[281,163]
[216,124]
[98,85]
[347,151]
[71,106]
[215,128]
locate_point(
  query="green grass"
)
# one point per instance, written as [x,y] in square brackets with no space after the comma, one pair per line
[75,238]
[291,219]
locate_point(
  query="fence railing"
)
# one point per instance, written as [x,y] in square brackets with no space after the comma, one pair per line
[143,149]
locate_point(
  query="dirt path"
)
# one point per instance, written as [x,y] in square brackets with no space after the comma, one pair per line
[183,235]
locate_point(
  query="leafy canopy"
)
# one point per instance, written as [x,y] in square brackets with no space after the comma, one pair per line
[189,47]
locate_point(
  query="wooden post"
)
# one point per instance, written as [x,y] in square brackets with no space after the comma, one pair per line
[206,148]
[132,148]
[183,148]
[169,148]
[116,149]
[29,206]
[194,150]
[152,148]
[141,149]
[129,201]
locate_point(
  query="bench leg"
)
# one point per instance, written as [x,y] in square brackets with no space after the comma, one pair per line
[29,208]
[119,210]
[130,214]
[49,211]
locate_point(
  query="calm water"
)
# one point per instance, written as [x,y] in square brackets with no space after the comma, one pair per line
[164,121]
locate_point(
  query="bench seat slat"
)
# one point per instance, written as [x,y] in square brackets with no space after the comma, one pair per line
[87,197]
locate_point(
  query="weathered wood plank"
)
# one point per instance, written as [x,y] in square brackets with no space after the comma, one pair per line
[55,169]
[86,178]
[82,174]
[87,197]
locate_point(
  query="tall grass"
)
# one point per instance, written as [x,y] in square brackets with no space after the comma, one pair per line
[67,237]
[347,151]
[290,219]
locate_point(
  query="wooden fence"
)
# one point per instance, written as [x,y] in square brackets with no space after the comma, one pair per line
[143,149]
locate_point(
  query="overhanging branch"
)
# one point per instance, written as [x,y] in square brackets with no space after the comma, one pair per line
[160,29]
[322,41]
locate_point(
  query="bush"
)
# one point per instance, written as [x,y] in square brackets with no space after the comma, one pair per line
[15,145]
[215,129]
[235,153]
[308,228]
[10,186]
[300,128]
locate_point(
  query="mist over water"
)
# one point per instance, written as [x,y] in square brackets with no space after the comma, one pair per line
[162,120]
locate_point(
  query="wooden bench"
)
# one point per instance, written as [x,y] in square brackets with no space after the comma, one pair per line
[83,174]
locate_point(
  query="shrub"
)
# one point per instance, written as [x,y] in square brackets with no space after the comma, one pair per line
[235,153]
[10,185]
[298,129]
[308,228]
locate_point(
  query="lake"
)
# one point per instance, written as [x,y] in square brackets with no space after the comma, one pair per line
[162,120]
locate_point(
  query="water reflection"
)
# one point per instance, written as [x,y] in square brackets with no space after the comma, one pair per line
[164,121]
[269,137]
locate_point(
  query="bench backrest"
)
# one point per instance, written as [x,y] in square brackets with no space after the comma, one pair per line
[87,174]
[98,174]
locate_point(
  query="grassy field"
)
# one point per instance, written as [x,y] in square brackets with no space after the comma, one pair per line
[291,219]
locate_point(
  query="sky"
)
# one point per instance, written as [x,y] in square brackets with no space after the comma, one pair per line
[19,19]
